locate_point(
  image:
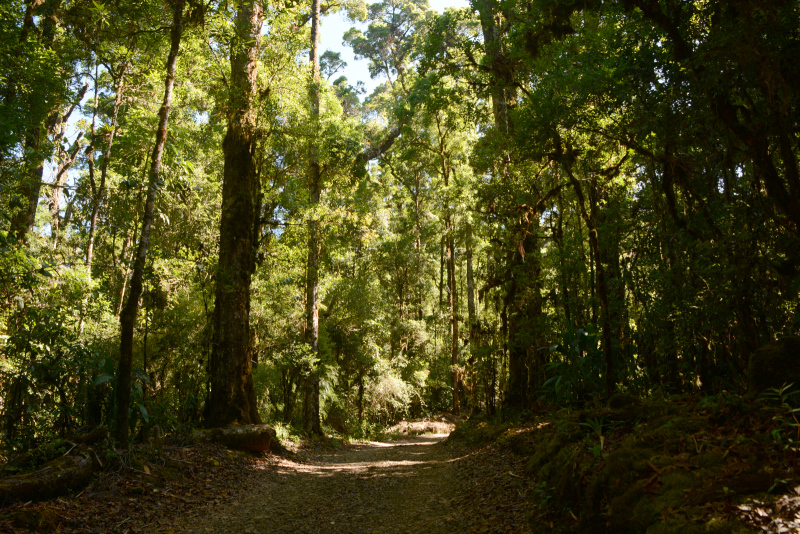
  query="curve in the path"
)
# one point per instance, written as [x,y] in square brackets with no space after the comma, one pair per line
[398,487]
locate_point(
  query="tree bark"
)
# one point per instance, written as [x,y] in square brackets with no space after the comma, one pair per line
[312,422]
[450,258]
[252,438]
[130,311]
[471,308]
[99,192]
[232,397]
[502,93]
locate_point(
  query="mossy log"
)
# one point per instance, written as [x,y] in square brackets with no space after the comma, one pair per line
[252,438]
[38,457]
[57,477]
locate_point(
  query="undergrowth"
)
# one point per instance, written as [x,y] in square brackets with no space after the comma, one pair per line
[683,464]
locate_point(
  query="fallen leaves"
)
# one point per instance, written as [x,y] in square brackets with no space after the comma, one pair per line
[140,499]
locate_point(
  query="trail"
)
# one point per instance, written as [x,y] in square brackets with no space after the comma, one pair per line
[397,487]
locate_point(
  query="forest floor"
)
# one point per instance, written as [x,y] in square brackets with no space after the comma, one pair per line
[410,485]
[721,466]
[417,483]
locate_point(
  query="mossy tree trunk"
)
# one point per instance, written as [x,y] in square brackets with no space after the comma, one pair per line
[130,311]
[311,415]
[232,397]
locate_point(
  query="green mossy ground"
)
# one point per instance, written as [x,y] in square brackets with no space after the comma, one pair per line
[651,467]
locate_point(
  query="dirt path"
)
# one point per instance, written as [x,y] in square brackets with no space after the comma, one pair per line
[404,486]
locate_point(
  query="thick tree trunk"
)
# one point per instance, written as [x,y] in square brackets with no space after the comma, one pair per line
[130,311]
[232,398]
[312,421]
[64,475]
[502,93]
[23,221]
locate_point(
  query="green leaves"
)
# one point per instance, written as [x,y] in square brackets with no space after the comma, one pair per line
[102,379]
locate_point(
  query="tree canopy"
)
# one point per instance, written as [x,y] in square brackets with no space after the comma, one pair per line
[203,222]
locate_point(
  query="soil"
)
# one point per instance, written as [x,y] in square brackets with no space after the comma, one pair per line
[419,483]
[411,485]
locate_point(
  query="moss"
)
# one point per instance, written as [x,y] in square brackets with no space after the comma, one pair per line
[662,461]
[137,490]
[631,511]
[546,451]
[677,480]
[707,460]
[563,476]
[33,520]
[478,433]
[666,434]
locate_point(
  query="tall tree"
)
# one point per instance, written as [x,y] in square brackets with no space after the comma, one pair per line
[130,311]
[232,397]
[312,265]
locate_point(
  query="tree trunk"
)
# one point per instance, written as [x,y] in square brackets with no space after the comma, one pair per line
[232,397]
[312,422]
[67,159]
[471,309]
[602,290]
[502,92]
[23,221]
[130,312]
[252,438]
[99,192]
[450,256]
[58,187]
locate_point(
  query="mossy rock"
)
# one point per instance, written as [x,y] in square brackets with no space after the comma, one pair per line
[660,460]
[627,510]
[137,490]
[774,365]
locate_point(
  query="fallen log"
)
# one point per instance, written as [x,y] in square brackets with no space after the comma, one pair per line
[57,477]
[38,457]
[252,438]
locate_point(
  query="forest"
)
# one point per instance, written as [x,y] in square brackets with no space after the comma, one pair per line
[542,203]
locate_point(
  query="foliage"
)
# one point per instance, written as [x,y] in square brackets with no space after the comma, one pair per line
[524,170]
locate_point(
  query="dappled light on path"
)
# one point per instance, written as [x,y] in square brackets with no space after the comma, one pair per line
[381,487]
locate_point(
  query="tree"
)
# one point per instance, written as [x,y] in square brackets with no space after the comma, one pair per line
[231,396]
[131,309]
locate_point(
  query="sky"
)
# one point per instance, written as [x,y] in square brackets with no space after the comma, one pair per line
[333,28]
